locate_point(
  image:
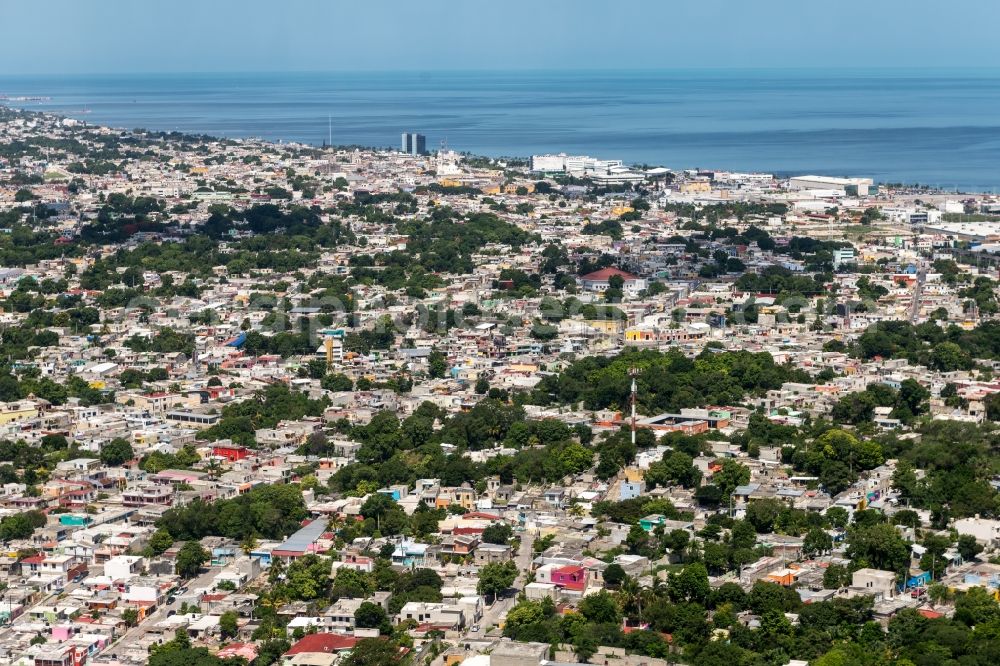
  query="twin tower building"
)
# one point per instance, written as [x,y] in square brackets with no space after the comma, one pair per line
[414,144]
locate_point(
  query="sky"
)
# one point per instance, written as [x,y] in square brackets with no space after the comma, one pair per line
[138,36]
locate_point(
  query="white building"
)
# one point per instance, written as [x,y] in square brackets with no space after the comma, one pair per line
[875,582]
[984,530]
[849,186]
[844,255]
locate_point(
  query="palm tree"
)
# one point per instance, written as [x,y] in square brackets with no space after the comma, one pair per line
[939,593]
[630,596]
[249,543]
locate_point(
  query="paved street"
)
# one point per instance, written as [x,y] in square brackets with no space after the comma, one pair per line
[495,613]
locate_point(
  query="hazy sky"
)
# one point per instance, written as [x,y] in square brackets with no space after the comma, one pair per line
[108,36]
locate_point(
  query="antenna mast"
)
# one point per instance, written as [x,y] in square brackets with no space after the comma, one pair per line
[633,373]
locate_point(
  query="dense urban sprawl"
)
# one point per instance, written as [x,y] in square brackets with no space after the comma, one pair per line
[271,403]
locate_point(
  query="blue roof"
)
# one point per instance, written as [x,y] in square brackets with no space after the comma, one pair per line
[237,341]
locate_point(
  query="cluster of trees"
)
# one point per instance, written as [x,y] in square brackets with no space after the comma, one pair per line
[166,341]
[446,242]
[308,579]
[157,461]
[196,255]
[836,457]
[240,420]
[713,214]
[396,272]
[782,283]
[982,292]
[21,525]
[401,451]
[29,382]
[688,609]
[910,401]
[611,228]
[269,512]
[959,462]
[668,381]
[944,349]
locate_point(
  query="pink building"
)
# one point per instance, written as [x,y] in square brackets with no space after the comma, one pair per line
[570,578]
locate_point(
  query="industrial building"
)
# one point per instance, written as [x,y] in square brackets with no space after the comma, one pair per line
[856,187]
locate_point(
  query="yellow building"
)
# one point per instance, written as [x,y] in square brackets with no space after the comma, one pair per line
[696,186]
[609,326]
[634,474]
[19,410]
[618,211]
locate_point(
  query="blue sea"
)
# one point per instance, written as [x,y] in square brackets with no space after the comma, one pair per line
[940,128]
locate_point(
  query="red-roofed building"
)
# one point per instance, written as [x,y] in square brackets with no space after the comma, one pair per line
[480,514]
[600,280]
[31,565]
[247,651]
[322,644]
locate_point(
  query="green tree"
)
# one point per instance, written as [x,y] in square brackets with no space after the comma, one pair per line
[614,574]
[948,357]
[190,559]
[229,624]
[270,651]
[731,475]
[498,533]
[690,584]
[496,577]
[585,646]
[838,516]
[374,652]
[308,577]
[968,547]
[437,364]
[976,607]
[372,616]
[878,546]
[763,513]
[116,452]
[336,382]
[817,542]
[160,541]
[600,608]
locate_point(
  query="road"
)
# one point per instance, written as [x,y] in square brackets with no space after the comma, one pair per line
[205,580]
[495,613]
[918,288]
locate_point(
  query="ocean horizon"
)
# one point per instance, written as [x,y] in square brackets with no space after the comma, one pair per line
[932,127]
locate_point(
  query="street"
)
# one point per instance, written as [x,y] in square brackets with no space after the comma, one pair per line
[495,613]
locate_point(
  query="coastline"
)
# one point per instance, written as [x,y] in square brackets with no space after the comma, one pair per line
[782,122]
